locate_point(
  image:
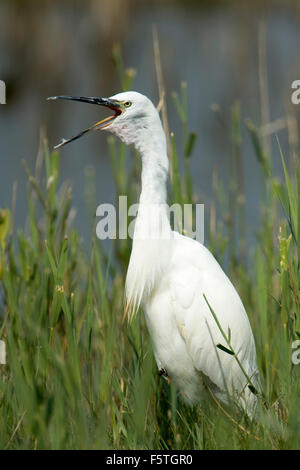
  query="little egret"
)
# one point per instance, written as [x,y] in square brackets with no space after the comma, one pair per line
[189,303]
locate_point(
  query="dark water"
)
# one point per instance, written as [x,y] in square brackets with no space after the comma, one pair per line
[49,48]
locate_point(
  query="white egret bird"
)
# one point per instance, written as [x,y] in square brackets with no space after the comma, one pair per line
[177,279]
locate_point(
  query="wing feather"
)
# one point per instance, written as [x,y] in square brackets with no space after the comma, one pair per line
[195,272]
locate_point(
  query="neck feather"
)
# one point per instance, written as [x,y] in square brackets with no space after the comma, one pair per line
[152,235]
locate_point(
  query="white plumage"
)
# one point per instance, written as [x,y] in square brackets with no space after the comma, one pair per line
[169,274]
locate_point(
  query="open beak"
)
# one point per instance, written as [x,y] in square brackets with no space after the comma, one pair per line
[109,103]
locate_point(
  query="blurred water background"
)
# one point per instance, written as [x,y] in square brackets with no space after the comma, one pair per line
[217,47]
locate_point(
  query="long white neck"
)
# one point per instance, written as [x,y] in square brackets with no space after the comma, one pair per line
[154,175]
[151,241]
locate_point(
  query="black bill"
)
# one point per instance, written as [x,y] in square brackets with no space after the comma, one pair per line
[109,103]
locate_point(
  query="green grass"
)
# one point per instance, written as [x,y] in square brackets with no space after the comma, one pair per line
[78,377]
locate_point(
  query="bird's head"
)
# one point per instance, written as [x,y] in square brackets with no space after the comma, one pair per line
[134,118]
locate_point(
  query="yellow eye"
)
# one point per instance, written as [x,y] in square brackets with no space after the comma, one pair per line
[127,104]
